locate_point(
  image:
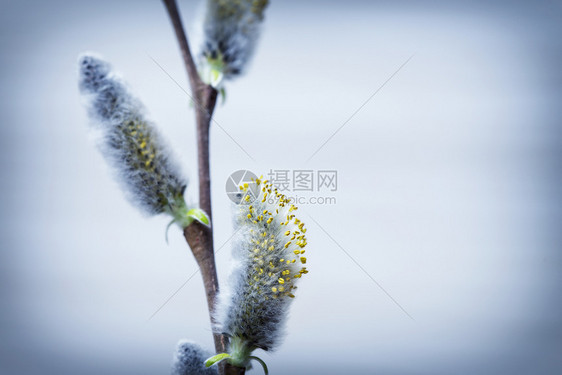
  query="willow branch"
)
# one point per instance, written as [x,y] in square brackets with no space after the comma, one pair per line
[199,237]
[194,80]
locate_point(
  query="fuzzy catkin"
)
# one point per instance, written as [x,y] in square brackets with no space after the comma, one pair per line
[231,31]
[130,143]
[189,359]
[269,252]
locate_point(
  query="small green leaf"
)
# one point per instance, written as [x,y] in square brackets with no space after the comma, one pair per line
[216,359]
[216,77]
[261,362]
[168,228]
[199,215]
[212,71]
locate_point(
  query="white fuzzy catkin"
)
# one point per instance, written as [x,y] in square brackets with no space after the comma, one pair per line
[130,143]
[231,31]
[189,359]
[269,254]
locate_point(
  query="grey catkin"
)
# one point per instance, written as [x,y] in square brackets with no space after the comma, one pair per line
[189,359]
[130,143]
[231,31]
[268,251]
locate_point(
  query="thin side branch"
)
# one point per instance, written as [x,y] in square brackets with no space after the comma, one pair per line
[194,80]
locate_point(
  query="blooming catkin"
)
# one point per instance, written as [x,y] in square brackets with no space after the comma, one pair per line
[130,143]
[189,359]
[269,250]
[231,31]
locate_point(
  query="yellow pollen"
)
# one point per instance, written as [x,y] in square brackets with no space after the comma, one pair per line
[274,289]
[281,281]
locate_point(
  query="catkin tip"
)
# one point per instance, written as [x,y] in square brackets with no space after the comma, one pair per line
[189,359]
[93,71]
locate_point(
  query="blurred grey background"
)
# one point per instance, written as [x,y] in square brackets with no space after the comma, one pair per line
[448,191]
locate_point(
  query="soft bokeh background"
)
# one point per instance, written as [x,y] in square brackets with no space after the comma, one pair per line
[448,190]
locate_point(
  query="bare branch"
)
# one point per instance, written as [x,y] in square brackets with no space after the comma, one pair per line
[194,79]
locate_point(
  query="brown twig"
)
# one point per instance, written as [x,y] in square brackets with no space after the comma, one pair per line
[194,79]
[199,237]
